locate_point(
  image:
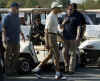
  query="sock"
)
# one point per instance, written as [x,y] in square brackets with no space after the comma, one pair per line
[58,73]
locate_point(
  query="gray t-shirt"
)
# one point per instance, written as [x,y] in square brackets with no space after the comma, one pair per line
[11,23]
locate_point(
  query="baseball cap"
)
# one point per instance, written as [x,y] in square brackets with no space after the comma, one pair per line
[56,5]
[15,4]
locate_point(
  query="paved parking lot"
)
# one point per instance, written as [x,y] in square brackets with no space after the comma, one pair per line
[83,74]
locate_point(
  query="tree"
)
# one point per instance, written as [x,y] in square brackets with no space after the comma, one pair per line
[24,3]
[3,3]
[64,2]
[90,4]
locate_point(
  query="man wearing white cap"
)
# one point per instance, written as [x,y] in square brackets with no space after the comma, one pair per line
[51,29]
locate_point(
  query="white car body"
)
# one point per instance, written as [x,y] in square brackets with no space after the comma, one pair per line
[90,44]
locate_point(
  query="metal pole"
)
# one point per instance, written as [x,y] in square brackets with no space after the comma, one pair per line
[68,2]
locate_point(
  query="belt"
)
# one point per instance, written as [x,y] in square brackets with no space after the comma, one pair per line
[52,33]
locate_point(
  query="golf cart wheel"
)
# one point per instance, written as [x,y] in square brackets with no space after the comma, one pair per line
[24,66]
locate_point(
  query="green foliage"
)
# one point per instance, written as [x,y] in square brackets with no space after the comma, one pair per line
[45,3]
[25,3]
[90,4]
[63,2]
[2,3]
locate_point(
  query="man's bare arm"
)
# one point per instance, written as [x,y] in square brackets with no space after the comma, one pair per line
[80,32]
[3,34]
[84,29]
[4,37]
[65,21]
[46,38]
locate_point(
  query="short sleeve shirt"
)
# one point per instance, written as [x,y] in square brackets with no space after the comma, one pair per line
[11,23]
[37,29]
[74,21]
[52,23]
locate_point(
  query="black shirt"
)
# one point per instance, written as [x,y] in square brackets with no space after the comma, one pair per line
[74,21]
[37,30]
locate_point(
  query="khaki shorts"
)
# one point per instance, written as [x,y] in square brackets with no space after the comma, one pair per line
[11,56]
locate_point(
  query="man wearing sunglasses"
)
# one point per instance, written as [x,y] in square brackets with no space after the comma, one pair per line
[37,31]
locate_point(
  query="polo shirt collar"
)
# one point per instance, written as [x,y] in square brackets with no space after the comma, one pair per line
[14,14]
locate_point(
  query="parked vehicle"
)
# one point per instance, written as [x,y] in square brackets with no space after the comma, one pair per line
[90,48]
[90,52]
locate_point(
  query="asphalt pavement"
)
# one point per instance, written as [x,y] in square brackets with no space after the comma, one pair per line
[83,74]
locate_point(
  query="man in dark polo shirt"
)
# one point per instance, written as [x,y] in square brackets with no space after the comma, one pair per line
[11,38]
[73,23]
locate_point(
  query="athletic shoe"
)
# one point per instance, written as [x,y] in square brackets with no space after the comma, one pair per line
[36,70]
[58,75]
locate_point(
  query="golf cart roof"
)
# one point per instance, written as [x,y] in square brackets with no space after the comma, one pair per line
[93,10]
[27,10]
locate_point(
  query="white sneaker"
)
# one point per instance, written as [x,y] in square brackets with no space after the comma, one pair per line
[64,78]
[37,69]
[58,75]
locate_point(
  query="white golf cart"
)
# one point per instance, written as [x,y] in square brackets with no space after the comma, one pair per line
[31,55]
[28,58]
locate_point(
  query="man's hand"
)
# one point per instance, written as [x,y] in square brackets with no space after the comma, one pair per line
[47,47]
[77,41]
[23,38]
[62,27]
[64,21]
